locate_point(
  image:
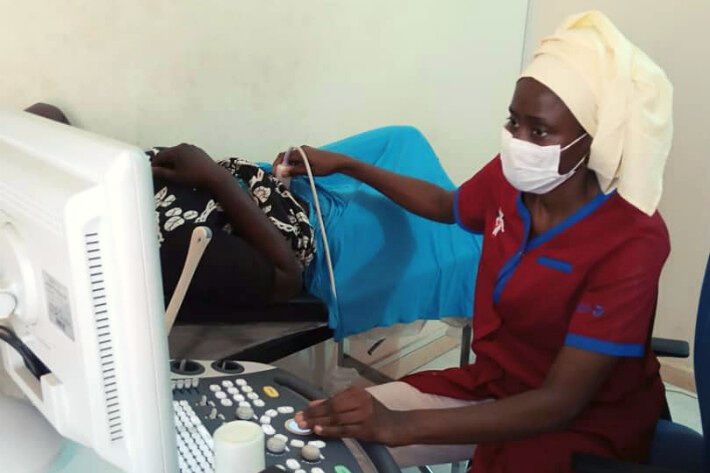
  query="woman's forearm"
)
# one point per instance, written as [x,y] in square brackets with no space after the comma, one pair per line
[419,197]
[531,413]
[250,223]
[570,385]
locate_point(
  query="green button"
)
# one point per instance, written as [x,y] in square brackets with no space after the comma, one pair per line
[341,469]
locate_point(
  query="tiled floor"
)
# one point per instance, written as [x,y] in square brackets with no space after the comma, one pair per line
[683,404]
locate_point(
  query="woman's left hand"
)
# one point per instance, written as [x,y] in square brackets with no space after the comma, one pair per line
[187,165]
[353,413]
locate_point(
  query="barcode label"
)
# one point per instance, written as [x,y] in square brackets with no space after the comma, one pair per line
[58,304]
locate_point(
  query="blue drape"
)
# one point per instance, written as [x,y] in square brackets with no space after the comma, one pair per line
[390,265]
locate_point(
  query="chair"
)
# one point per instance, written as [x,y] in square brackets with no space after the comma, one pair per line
[675,448]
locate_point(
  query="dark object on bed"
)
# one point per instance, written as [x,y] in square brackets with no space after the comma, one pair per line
[262,334]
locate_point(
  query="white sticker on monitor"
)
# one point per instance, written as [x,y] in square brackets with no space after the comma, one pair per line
[58,304]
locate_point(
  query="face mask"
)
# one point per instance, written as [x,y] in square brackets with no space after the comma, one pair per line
[533,168]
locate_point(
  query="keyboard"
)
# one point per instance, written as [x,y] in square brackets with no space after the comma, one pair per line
[194,442]
[206,395]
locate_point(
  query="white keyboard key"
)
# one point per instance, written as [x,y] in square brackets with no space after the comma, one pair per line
[259,403]
[241,382]
[247,389]
[232,391]
[268,429]
[187,383]
[317,443]
[293,464]
[226,402]
[253,396]
[310,453]
[244,413]
[215,387]
[295,443]
[271,413]
[220,395]
[317,470]
[244,404]
[265,420]
[227,383]
[238,398]
[275,446]
[300,471]
[285,410]
[293,427]
[281,437]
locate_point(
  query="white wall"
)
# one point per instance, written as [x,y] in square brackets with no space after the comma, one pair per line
[249,77]
[673,34]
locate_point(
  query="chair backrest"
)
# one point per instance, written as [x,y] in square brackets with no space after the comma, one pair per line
[702,358]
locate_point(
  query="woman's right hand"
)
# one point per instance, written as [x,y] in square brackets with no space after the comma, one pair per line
[323,163]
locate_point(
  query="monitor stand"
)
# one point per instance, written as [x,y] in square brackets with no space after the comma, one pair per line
[28,443]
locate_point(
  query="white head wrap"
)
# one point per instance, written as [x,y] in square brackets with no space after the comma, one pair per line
[620,97]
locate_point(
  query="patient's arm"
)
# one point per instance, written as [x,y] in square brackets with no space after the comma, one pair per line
[189,165]
[48,111]
[417,196]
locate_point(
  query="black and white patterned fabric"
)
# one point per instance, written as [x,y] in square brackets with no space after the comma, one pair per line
[177,205]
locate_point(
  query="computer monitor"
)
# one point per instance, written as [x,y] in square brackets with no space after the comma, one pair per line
[80,287]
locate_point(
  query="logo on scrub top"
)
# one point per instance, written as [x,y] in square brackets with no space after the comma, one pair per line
[500,223]
[595,310]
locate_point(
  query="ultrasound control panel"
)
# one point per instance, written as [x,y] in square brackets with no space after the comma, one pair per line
[208,394]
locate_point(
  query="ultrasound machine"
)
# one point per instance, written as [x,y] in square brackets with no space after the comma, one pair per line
[82,327]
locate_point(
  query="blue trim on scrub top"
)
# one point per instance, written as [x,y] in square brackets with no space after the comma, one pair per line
[557,264]
[457,215]
[509,268]
[635,350]
[580,214]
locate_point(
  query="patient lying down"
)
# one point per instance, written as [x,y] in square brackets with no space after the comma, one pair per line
[262,239]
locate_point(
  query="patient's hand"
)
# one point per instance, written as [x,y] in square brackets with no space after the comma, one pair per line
[187,165]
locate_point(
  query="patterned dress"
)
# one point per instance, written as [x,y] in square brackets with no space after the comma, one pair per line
[177,205]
